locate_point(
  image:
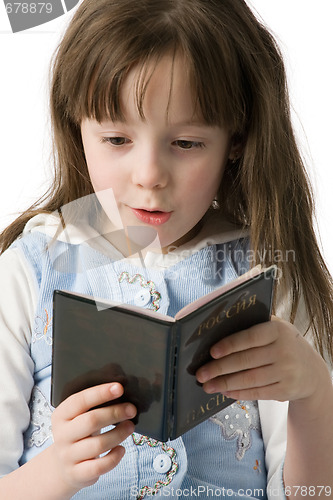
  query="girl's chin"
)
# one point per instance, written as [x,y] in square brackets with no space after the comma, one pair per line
[172,244]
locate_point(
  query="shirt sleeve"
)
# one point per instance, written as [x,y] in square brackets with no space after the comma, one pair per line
[18,298]
[273,414]
[273,418]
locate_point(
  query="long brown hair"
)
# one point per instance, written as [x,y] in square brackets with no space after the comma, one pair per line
[238,78]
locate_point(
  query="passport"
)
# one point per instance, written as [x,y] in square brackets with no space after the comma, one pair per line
[154,356]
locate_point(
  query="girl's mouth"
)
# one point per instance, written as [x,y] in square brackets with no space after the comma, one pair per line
[153,217]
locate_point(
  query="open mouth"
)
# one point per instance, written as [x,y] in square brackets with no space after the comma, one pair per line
[153,217]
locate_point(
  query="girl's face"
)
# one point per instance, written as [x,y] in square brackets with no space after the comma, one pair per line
[164,169]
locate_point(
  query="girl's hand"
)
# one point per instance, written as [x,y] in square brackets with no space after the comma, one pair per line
[267,361]
[77,439]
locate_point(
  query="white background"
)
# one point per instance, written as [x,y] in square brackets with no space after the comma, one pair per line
[304,30]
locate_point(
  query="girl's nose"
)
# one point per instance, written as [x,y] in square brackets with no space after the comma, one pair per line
[150,171]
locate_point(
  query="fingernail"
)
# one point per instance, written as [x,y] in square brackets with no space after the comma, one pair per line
[203,375]
[115,389]
[130,411]
[216,352]
[210,388]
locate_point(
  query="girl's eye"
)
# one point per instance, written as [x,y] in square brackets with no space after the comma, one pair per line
[183,144]
[115,141]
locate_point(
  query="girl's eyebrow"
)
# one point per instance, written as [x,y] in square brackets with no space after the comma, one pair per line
[191,123]
[181,123]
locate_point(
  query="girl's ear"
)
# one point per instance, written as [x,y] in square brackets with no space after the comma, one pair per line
[236,149]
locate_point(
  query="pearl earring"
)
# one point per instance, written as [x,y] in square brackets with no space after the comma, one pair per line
[235,158]
[215,204]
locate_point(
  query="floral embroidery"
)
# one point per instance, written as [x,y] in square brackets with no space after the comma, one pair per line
[236,422]
[257,467]
[169,475]
[41,412]
[42,329]
[156,296]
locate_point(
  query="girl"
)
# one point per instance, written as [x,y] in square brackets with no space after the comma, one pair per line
[170,116]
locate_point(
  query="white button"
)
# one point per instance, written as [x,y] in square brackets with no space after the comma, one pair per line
[162,463]
[142,298]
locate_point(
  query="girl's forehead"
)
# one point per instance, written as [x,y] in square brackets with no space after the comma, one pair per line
[168,79]
[158,86]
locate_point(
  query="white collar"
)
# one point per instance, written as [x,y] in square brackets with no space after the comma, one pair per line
[216,230]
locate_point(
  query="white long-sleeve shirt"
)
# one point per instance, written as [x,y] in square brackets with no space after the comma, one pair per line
[18,299]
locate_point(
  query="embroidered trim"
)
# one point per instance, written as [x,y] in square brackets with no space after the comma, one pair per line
[257,467]
[171,452]
[42,329]
[236,422]
[156,296]
[40,411]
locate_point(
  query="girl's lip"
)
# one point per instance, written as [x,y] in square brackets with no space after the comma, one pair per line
[153,217]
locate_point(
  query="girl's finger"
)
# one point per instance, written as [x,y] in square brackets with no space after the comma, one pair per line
[247,379]
[255,336]
[94,446]
[236,362]
[88,472]
[93,421]
[84,400]
[267,392]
